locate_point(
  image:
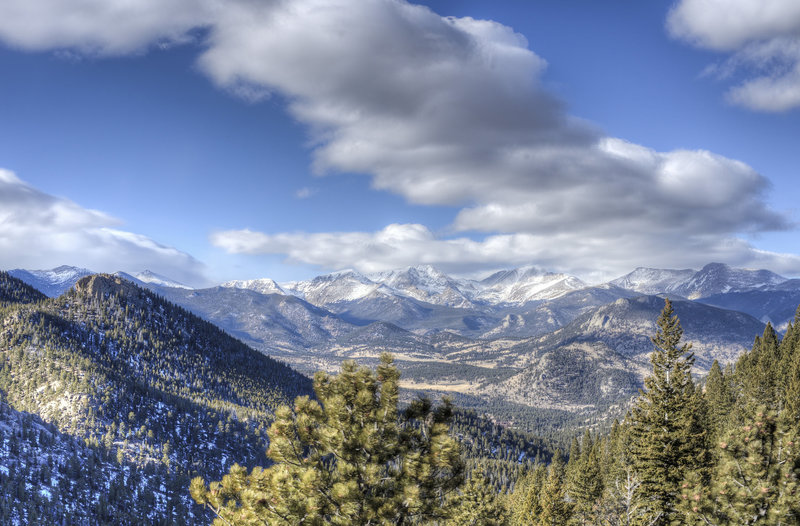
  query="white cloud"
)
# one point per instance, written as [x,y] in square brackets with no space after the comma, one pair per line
[400,245]
[452,111]
[38,230]
[726,25]
[764,37]
[105,27]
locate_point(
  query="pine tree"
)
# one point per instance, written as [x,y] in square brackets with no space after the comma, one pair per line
[350,458]
[666,423]
[525,501]
[757,371]
[619,505]
[585,483]
[478,504]
[720,399]
[556,511]
[755,480]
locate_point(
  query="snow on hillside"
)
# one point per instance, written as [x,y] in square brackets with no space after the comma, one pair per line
[653,280]
[526,284]
[148,276]
[262,286]
[53,282]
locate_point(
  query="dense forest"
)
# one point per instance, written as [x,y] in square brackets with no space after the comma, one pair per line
[724,452]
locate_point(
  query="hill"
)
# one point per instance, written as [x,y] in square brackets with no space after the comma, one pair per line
[142,383]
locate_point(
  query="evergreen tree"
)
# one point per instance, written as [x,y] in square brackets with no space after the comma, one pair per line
[585,484]
[619,505]
[479,504]
[348,459]
[789,371]
[525,501]
[720,399]
[757,371]
[755,480]
[556,511]
[666,423]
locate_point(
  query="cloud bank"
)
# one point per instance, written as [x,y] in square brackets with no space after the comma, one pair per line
[764,39]
[399,245]
[451,112]
[37,229]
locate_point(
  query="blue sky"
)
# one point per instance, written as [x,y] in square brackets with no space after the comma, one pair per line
[211,141]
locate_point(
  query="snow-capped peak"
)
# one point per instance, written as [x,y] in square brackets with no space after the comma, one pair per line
[524,284]
[261,285]
[344,285]
[653,280]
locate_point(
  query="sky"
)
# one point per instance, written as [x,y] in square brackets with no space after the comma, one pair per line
[209,140]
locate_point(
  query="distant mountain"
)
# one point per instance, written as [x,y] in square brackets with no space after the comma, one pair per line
[653,280]
[346,285]
[524,285]
[425,283]
[626,325]
[53,282]
[602,356]
[718,278]
[262,286]
[150,277]
[775,306]
[714,278]
[271,322]
[537,318]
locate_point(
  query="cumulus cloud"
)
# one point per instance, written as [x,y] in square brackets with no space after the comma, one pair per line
[452,112]
[38,230]
[764,39]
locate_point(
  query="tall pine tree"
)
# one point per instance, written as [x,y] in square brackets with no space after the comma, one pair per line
[666,424]
[349,458]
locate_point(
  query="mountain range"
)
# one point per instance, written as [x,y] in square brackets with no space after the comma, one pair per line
[518,342]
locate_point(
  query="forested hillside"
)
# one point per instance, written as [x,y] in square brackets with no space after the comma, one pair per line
[721,453]
[133,386]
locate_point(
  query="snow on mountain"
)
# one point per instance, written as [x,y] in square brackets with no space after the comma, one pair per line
[526,284]
[714,278]
[426,283]
[653,280]
[262,286]
[718,278]
[53,282]
[151,280]
[346,285]
[148,276]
